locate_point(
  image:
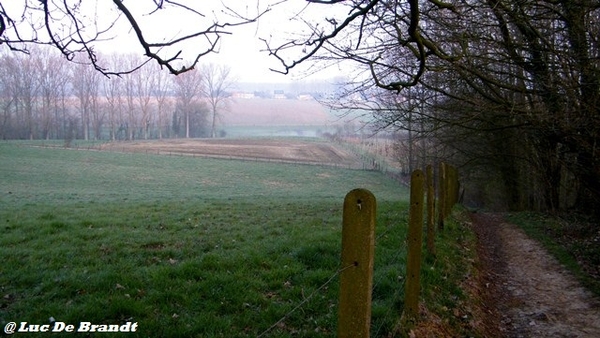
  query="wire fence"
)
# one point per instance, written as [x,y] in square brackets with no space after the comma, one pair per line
[388,283]
[394,293]
[387,288]
[306,299]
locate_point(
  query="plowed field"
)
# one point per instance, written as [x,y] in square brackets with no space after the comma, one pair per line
[277,150]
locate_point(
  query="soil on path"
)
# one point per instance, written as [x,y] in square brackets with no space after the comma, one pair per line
[528,293]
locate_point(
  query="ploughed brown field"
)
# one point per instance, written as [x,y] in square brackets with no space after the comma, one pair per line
[276,150]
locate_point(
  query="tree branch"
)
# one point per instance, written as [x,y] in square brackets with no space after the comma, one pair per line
[320,41]
[70,30]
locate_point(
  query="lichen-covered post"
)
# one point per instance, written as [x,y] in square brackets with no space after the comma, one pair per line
[430,211]
[441,195]
[356,277]
[415,242]
[452,188]
[447,190]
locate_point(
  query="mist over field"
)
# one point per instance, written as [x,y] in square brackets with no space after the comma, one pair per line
[276,117]
[280,109]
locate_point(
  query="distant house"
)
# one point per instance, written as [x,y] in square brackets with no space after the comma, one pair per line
[305,97]
[242,95]
[279,94]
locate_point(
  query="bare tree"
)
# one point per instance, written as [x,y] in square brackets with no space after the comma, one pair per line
[216,83]
[145,90]
[130,91]
[8,97]
[52,74]
[113,93]
[369,33]
[187,89]
[161,95]
[85,83]
[27,84]
[76,28]
[5,103]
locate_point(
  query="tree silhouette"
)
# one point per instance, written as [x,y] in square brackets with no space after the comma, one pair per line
[510,86]
[75,27]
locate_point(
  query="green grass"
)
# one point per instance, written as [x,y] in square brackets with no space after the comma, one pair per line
[450,302]
[572,240]
[56,143]
[185,246]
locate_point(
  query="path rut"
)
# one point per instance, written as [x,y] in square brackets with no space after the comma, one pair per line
[529,293]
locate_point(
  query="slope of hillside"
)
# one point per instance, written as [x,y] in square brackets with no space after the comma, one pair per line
[275,112]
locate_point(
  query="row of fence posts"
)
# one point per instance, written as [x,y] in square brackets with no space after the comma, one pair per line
[358,246]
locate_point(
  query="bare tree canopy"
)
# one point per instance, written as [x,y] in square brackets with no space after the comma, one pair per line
[370,33]
[76,27]
[510,87]
[217,81]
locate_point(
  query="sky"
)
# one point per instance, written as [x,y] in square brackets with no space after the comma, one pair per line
[241,50]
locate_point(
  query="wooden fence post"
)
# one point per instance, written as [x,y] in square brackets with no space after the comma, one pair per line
[451,188]
[415,234]
[453,183]
[441,195]
[430,211]
[356,277]
[448,190]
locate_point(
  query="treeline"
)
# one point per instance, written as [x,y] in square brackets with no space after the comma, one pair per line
[44,97]
[508,91]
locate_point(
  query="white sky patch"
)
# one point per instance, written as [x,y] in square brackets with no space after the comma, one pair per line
[242,50]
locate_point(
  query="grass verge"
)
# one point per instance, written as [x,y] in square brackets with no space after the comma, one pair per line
[450,303]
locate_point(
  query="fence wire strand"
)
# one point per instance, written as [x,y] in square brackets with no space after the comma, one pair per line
[399,290]
[305,300]
[392,261]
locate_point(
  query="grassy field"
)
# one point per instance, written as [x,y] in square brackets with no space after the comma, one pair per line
[184,246]
[200,247]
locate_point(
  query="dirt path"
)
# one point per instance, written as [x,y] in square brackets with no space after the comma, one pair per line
[529,293]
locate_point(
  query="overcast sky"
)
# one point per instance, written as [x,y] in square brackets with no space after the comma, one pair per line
[241,50]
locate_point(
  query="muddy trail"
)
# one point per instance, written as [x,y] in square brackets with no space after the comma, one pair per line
[527,292]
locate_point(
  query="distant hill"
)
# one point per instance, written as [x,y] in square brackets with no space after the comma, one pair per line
[276,112]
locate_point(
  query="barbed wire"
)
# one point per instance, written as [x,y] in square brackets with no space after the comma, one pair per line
[385,231]
[395,296]
[305,300]
[391,260]
[394,261]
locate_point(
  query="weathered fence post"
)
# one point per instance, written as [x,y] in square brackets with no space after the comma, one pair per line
[447,190]
[415,241]
[452,187]
[356,277]
[430,211]
[441,195]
